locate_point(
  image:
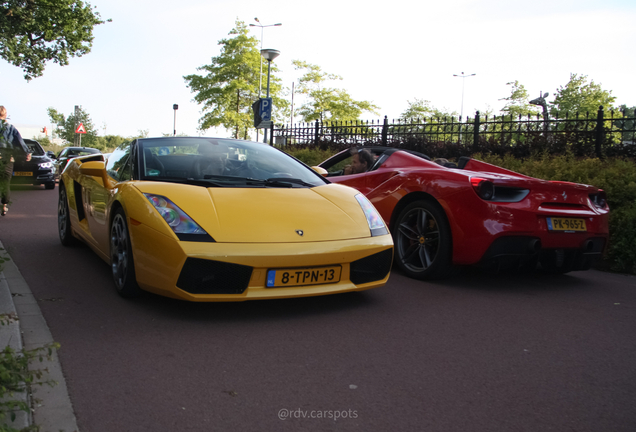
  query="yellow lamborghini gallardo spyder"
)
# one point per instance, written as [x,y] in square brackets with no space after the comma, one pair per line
[214,219]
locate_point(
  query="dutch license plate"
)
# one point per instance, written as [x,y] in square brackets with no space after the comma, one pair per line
[303,276]
[566,224]
[22,174]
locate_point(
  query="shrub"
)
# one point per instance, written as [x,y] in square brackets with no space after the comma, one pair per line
[15,376]
[621,255]
[311,157]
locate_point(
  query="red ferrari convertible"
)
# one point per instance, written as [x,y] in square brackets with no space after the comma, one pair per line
[473,212]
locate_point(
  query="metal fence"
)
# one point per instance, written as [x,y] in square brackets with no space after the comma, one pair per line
[611,134]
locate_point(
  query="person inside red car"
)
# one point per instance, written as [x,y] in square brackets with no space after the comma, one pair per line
[361,161]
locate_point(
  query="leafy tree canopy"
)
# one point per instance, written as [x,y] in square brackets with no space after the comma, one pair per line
[581,96]
[517,103]
[230,84]
[629,112]
[327,103]
[421,109]
[33,32]
[626,122]
[108,142]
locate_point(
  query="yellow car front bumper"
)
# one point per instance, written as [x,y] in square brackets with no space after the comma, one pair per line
[210,271]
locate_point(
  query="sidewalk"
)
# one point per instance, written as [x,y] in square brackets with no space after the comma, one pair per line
[52,409]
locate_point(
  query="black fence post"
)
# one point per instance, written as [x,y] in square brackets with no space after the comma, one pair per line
[316,134]
[385,131]
[271,134]
[476,133]
[600,132]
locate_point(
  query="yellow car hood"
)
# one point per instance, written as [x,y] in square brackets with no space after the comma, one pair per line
[269,215]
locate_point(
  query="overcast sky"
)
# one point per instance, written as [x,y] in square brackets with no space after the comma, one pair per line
[387,53]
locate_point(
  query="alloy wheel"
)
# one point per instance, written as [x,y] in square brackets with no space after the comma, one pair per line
[119,250]
[418,239]
[62,214]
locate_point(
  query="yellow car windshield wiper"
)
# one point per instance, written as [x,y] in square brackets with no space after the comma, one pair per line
[290,180]
[221,180]
[200,182]
[280,182]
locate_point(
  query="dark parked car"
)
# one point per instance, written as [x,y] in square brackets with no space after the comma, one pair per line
[38,171]
[69,153]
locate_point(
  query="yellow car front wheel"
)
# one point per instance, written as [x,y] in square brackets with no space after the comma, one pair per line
[121,258]
[64,219]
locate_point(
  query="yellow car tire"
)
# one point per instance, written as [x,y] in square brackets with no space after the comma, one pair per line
[64,220]
[121,258]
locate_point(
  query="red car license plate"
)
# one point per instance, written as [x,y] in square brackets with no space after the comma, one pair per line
[303,276]
[566,224]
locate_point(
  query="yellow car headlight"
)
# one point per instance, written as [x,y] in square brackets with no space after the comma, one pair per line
[376,224]
[182,224]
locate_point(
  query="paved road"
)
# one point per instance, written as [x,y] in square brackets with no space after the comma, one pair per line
[477,352]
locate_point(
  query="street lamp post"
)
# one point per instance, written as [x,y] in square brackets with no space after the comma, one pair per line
[269,55]
[175,107]
[461,114]
[260,81]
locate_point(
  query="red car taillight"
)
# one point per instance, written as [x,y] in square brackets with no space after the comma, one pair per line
[599,199]
[484,188]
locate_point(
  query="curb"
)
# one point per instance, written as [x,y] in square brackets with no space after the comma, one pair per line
[52,409]
[10,336]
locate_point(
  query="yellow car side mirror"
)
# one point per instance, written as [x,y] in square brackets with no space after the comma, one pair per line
[94,169]
[323,172]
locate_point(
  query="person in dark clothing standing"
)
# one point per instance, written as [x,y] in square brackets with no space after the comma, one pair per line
[10,140]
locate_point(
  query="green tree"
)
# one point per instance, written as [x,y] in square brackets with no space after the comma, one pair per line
[581,96]
[421,109]
[66,127]
[33,32]
[327,103]
[517,103]
[625,124]
[421,117]
[108,143]
[45,142]
[230,84]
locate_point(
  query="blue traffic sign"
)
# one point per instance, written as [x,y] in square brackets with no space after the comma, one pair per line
[266,109]
[262,112]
